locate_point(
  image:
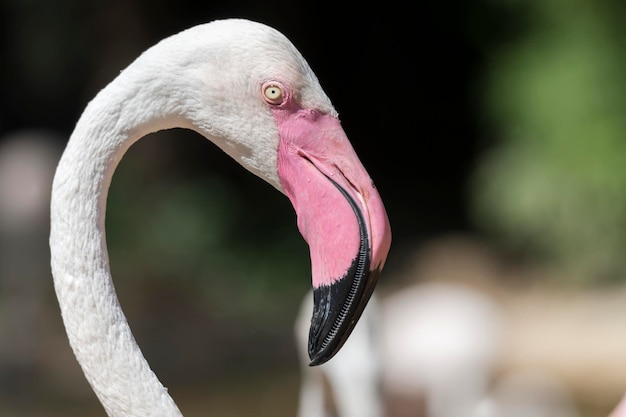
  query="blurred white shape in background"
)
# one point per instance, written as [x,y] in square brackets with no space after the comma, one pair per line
[27,163]
[527,394]
[440,342]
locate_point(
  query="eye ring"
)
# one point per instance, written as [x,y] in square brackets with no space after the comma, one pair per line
[273,93]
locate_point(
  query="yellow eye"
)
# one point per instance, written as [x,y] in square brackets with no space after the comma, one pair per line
[273,93]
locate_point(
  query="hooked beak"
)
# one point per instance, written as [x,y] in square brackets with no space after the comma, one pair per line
[342,218]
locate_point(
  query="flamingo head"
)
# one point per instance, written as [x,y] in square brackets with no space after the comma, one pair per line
[263,105]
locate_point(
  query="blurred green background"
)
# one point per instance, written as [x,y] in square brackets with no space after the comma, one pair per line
[502,122]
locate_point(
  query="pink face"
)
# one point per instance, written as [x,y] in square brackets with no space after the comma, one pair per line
[327,185]
[340,215]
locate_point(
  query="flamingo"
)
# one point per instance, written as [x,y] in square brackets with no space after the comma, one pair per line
[246,88]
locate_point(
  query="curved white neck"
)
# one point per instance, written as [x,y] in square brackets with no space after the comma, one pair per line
[95,324]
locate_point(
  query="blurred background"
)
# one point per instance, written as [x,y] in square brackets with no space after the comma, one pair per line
[494,131]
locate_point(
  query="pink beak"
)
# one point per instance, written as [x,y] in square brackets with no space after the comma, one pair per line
[340,215]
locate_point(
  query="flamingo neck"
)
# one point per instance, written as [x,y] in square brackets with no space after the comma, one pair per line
[96,326]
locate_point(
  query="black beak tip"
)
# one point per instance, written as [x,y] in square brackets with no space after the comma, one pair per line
[319,359]
[337,309]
